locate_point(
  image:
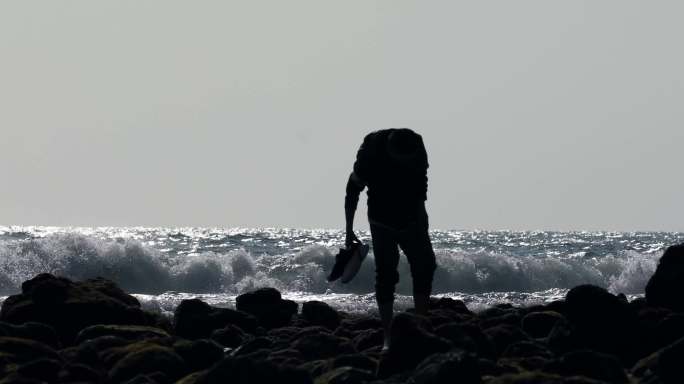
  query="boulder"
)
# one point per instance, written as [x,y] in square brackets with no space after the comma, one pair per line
[230,336]
[458,335]
[46,370]
[594,365]
[267,305]
[345,375]
[286,357]
[355,360]
[247,370]
[668,330]
[665,287]
[447,303]
[198,354]
[360,323]
[368,338]
[467,337]
[527,349]
[127,332]
[149,360]
[110,356]
[539,324]
[541,378]
[322,346]
[75,373]
[602,321]
[443,368]
[253,345]
[320,313]
[34,331]
[504,335]
[669,363]
[16,350]
[195,319]
[69,306]
[411,341]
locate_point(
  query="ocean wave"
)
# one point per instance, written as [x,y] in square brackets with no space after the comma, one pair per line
[144,269]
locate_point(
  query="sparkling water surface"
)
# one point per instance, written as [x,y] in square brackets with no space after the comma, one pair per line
[162,266]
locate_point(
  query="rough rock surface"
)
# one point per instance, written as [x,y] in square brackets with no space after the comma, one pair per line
[69,306]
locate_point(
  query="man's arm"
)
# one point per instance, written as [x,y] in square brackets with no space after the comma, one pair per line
[356,183]
[424,167]
[354,187]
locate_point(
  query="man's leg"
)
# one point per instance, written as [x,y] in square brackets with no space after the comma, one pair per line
[417,246]
[386,254]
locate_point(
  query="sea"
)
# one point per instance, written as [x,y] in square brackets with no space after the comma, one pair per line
[163,266]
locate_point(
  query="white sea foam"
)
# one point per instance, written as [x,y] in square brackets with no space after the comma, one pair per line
[145,269]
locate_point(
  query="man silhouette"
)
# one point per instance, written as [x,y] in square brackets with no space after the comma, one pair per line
[393,164]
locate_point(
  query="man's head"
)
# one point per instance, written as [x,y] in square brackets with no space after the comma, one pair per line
[402,144]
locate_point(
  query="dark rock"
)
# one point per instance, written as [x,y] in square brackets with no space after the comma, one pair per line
[670,359]
[539,324]
[111,356]
[194,378]
[522,364]
[511,317]
[668,331]
[90,351]
[286,357]
[411,341]
[69,306]
[443,368]
[491,368]
[147,361]
[15,350]
[503,335]
[459,336]
[41,369]
[253,345]
[601,320]
[320,313]
[665,287]
[75,373]
[561,338]
[308,331]
[267,306]
[149,379]
[42,333]
[360,323]
[15,378]
[368,338]
[541,378]
[322,346]
[245,370]
[450,304]
[527,349]
[316,368]
[345,375]
[357,360]
[230,336]
[594,365]
[195,319]
[127,332]
[198,354]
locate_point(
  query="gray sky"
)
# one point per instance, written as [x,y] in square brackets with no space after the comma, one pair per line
[535,114]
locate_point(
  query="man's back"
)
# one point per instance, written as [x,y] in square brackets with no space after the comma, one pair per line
[393,164]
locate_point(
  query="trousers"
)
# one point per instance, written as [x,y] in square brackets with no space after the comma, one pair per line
[414,241]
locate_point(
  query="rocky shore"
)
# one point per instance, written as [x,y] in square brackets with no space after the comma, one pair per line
[62,331]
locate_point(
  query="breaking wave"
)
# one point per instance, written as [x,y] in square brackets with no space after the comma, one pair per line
[144,269]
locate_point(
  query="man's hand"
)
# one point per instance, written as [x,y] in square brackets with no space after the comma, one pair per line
[351,239]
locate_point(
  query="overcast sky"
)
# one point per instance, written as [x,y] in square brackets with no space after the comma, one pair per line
[535,114]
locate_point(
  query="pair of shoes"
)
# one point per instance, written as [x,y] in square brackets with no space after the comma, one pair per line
[348,262]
